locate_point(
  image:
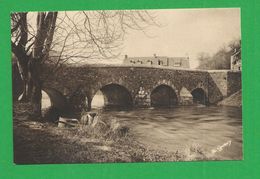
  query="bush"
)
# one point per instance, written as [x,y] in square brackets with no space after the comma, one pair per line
[108,129]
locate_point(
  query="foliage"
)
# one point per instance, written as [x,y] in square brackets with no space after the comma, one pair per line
[221,59]
[77,35]
[40,38]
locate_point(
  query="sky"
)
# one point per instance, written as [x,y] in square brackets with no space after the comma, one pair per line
[185,32]
[182,33]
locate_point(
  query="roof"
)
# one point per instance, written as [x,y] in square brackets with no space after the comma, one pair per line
[158,57]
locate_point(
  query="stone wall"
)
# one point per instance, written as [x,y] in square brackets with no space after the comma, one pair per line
[217,86]
[85,81]
[79,84]
[234,83]
[220,80]
[223,83]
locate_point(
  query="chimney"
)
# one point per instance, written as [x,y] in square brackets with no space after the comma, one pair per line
[126,56]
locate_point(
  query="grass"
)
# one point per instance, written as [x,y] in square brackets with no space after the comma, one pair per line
[38,142]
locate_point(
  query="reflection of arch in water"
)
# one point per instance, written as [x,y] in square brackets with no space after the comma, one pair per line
[112,95]
[199,96]
[163,96]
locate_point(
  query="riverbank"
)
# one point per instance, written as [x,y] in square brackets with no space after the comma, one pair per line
[41,142]
[234,100]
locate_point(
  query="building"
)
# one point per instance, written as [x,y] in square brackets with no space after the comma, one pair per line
[236,62]
[178,62]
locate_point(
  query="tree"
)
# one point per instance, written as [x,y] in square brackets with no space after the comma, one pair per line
[234,44]
[29,62]
[203,58]
[221,59]
[67,37]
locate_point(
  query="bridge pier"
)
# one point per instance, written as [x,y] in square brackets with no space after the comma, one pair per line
[186,97]
[142,98]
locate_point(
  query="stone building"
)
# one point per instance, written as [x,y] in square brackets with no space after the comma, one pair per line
[236,62]
[178,62]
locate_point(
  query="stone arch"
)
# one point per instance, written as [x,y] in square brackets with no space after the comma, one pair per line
[167,83]
[59,105]
[57,98]
[115,95]
[45,101]
[185,97]
[163,96]
[199,96]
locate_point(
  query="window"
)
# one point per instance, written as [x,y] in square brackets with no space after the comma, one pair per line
[132,61]
[139,61]
[177,64]
[150,62]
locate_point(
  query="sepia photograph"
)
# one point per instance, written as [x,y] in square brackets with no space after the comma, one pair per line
[120,86]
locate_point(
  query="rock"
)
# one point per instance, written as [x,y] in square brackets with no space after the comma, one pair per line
[62,122]
[67,122]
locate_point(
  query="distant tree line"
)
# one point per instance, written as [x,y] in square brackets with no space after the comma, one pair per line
[221,59]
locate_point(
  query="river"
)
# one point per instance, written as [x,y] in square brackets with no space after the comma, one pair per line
[217,130]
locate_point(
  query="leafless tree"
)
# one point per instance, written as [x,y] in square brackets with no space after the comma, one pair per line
[66,37]
[203,57]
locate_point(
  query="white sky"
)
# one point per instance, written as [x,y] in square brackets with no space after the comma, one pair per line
[183,32]
[186,32]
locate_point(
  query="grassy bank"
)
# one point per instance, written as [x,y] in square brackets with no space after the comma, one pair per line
[42,142]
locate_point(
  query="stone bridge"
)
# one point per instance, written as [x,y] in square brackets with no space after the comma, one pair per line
[73,87]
